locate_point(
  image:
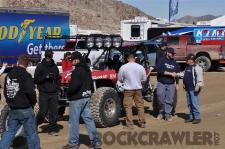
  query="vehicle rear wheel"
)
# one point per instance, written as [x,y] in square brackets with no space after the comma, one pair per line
[20,139]
[106,107]
[204,62]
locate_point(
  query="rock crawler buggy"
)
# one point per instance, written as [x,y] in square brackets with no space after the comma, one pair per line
[106,100]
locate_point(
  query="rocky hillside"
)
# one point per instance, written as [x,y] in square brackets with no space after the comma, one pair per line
[192,20]
[102,15]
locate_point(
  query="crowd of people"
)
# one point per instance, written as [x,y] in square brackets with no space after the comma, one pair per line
[19,91]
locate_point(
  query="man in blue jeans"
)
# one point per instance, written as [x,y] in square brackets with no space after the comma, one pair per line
[79,93]
[19,91]
[167,70]
[193,82]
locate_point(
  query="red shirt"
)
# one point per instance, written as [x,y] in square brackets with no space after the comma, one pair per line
[66,66]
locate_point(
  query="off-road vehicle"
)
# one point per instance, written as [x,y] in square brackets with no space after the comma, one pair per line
[106,100]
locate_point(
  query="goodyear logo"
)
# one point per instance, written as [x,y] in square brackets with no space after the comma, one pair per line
[26,28]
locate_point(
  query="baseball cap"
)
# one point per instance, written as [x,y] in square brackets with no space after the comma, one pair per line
[76,55]
[191,56]
[170,50]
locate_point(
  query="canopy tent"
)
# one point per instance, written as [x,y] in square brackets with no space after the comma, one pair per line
[187,30]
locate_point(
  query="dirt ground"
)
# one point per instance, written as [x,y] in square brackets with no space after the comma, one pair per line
[212,105]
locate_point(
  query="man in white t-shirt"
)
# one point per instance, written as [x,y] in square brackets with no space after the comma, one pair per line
[132,75]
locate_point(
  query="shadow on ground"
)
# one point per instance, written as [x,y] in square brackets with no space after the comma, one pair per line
[46,128]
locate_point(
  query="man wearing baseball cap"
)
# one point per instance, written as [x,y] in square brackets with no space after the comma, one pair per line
[79,94]
[167,70]
[193,82]
[47,78]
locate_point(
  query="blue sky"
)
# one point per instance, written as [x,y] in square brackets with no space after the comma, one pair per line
[159,8]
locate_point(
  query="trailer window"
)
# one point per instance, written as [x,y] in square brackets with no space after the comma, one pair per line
[135,30]
[173,41]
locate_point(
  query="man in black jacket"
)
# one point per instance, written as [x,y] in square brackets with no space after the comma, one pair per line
[47,78]
[79,93]
[19,91]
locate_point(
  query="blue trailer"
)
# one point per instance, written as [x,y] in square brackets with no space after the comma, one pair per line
[22,31]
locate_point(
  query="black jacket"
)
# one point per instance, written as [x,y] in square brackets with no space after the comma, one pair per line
[47,77]
[81,83]
[19,89]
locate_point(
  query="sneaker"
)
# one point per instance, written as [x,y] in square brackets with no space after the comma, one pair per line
[169,118]
[53,133]
[68,146]
[188,120]
[141,124]
[96,145]
[160,117]
[196,121]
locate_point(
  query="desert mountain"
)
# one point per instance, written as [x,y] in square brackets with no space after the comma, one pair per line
[193,20]
[102,15]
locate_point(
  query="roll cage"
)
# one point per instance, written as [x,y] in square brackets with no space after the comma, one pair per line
[139,49]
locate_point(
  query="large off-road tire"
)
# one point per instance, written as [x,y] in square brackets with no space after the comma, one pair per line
[20,139]
[105,107]
[204,62]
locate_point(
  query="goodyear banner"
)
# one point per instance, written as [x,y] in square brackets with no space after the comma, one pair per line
[209,34]
[24,33]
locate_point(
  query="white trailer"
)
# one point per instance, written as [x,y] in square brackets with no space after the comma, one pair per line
[136,29]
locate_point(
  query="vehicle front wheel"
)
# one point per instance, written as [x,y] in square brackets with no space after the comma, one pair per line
[204,62]
[106,107]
